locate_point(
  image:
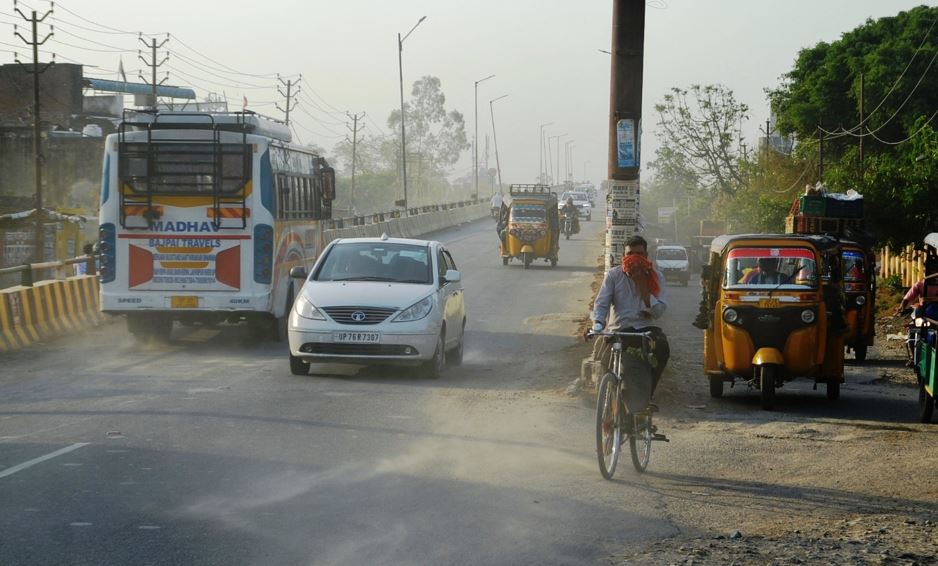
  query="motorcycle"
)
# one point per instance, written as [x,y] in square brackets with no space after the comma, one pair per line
[569,225]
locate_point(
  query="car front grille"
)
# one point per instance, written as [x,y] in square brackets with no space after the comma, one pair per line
[358,349]
[359,316]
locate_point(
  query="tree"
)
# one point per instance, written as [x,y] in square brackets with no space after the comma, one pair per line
[701,138]
[438,136]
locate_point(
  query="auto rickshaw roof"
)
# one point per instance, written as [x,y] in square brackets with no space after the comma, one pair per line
[932,240]
[530,192]
[822,243]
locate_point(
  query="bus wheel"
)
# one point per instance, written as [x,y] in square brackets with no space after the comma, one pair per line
[278,326]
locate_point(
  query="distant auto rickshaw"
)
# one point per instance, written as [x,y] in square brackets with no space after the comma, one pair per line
[859,276]
[770,302]
[529,225]
[924,334]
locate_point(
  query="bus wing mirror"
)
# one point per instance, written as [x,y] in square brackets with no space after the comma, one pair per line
[298,272]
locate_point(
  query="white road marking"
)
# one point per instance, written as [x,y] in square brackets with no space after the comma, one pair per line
[80,524]
[148,527]
[34,461]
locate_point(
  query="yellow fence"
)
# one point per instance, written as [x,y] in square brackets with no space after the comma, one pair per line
[46,310]
[908,264]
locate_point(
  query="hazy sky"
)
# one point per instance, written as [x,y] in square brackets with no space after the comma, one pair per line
[544,53]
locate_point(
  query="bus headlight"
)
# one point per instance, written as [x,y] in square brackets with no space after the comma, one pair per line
[808,316]
[730,316]
[861,300]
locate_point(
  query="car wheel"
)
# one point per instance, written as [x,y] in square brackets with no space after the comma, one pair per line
[433,368]
[298,366]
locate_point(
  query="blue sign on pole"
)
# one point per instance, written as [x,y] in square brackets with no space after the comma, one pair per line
[626,142]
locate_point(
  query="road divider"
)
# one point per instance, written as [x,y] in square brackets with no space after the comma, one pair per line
[412,226]
[46,310]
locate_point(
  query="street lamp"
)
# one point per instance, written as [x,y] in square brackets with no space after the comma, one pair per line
[550,159]
[475,136]
[540,170]
[498,164]
[400,68]
[566,159]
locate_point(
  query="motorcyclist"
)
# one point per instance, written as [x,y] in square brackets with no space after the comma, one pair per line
[635,291]
[569,209]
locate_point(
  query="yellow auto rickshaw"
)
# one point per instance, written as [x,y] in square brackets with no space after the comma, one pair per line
[529,225]
[860,294]
[773,312]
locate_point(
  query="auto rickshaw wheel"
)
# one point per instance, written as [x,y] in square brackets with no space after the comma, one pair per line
[833,389]
[505,261]
[553,262]
[767,375]
[926,403]
[716,386]
[526,259]
[859,352]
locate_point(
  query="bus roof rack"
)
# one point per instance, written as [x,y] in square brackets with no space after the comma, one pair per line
[244,121]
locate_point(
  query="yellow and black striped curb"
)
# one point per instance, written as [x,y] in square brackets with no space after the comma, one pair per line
[46,310]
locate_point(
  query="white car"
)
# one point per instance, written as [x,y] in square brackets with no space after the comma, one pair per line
[379,301]
[580,200]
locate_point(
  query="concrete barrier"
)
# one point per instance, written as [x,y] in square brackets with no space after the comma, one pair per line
[412,226]
[47,310]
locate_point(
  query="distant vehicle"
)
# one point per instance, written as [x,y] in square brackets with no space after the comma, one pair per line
[379,301]
[580,200]
[203,215]
[674,263]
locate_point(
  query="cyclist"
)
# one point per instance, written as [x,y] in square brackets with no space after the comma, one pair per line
[636,293]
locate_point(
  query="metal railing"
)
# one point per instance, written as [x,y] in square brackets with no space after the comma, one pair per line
[377,217]
[59,268]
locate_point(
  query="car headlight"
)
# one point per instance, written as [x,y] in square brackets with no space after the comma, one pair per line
[416,311]
[730,316]
[306,309]
[808,316]
[861,300]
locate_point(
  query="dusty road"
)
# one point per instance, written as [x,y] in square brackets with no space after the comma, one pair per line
[207,450]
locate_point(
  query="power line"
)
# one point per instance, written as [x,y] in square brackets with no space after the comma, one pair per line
[917,132]
[206,69]
[111,29]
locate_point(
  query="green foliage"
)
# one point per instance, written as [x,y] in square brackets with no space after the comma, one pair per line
[893,283]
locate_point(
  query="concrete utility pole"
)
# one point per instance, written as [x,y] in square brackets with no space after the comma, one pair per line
[625,99]
[475,136]
[862,127]
[153,64]
[36,70]
[290,97]
[820,154]
[354,141]
[768,131]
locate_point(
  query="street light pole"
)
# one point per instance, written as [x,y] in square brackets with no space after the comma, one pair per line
[540,171]
[475,136]
[550,158]
[566,159]
[558,154]
[585,163]
[498,163]
[400,68]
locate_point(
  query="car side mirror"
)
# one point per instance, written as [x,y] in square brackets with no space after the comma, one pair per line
[298,272]
[452,276]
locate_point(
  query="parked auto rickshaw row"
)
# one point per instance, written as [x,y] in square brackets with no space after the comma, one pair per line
[785,306]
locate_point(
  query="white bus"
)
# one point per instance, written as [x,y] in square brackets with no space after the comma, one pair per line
[203,215]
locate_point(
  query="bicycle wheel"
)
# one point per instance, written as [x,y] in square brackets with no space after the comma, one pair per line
[608,425]
[640,442]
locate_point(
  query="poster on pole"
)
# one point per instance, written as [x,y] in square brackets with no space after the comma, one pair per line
[627,143]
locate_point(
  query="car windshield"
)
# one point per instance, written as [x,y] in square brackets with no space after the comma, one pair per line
[574,196]
[671,254]
[771,268]
[376,261]
[528,213]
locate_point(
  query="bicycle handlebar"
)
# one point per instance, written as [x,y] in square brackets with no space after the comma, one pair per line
[646,334]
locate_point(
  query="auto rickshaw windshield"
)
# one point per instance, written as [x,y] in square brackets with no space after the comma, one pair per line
[528,213]
[771,268]
[854,266]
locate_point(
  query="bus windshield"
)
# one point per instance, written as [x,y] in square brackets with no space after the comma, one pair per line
[771,268]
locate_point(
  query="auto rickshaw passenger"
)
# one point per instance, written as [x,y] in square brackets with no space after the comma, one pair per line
[766,274]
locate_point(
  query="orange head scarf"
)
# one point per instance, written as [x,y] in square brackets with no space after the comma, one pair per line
[643,273]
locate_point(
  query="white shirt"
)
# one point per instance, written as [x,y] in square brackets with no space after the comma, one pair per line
[496,200]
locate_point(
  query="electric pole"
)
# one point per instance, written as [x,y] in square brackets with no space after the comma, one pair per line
[354,129]
[36,70]
[625,100]
[768,131]
[153,64]
[290,97]
[862,128]
[820,154]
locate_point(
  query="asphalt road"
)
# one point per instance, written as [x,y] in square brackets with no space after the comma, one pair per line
[208,451]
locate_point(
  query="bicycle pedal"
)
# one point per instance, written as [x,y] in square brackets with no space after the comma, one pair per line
[660,437]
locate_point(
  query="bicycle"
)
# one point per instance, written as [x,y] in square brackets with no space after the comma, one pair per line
[614,414]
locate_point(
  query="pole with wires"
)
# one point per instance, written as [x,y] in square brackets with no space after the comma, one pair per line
[290,96]
[354,129]
[152,63]
[36,70]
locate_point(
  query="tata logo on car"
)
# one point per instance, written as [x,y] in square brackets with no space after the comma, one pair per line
[359,316]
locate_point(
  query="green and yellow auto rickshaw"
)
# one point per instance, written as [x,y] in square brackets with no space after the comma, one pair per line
[529,225]
[859,275]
